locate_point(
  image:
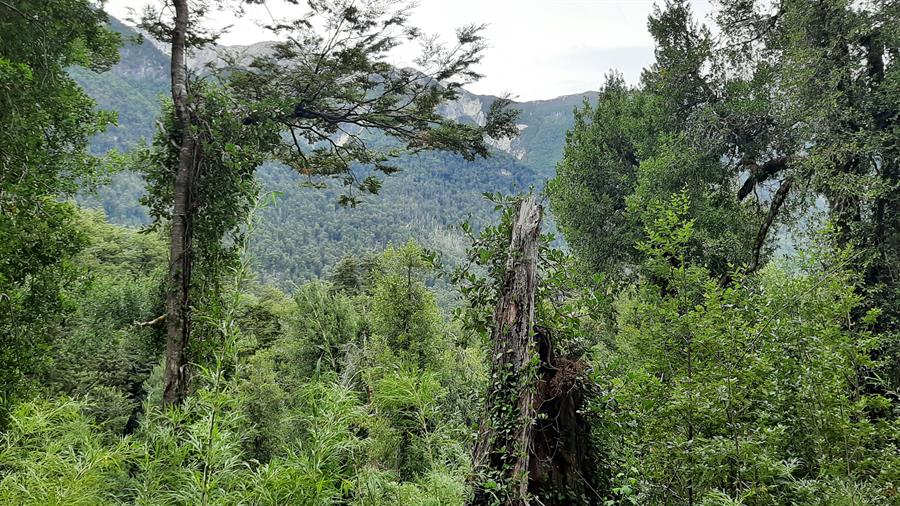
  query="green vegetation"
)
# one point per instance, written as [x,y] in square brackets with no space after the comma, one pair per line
[355,356]
[47,119]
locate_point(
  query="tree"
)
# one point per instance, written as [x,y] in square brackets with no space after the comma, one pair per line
[177,299]
[501,452]
[338,103]
[598,172]
[635,147]
[829,70]
[323,325]
[406,320]
[346,276]
[750,131]
[47,122]
[744,393]
[789,104]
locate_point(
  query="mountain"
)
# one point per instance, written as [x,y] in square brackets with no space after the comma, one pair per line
[306,232]
[542,127]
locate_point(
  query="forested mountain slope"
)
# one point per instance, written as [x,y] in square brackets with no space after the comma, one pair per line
[307,232]
[668,356]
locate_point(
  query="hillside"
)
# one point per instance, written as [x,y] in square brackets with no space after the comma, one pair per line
[307,229]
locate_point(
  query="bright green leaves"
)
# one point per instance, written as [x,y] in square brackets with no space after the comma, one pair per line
[744,392]
[47,121]
[52,454]
[405,317]
[322,326]
[668,232]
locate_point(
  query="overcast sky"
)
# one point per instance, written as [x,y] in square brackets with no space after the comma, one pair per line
[539,49]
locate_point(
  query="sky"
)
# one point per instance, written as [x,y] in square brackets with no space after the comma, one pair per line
[538,49]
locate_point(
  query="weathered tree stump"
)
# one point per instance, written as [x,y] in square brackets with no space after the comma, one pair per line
[561,460]
[501,454]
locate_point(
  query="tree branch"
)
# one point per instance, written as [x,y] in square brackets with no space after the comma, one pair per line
[154,321]
[761,173]
[774,208]
[17,11]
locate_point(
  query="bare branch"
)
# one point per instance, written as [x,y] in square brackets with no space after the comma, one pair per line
[777,202]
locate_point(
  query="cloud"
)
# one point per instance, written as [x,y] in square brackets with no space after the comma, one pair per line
[538,49]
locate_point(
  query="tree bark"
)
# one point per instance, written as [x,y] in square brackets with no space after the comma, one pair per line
[763,234]
[179,279]
[501,453]
[562,465]
[761,173]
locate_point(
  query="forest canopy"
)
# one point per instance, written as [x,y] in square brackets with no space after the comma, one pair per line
[717,323]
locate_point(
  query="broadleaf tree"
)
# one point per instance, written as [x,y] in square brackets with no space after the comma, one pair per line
[47,124]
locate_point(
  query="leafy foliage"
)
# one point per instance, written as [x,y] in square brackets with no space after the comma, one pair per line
[699,369]
[48,120]
[745,393]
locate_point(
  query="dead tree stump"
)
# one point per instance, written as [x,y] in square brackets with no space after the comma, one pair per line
[501,453]
[561,459]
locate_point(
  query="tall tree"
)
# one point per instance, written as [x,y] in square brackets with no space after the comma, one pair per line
[636,147]
[326,102]
[789,103]
[830,76]
[177,296]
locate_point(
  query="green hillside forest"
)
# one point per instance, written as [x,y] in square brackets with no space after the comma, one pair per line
[293,273]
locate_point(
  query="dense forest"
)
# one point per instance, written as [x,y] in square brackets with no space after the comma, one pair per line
[431,195]
[306,276]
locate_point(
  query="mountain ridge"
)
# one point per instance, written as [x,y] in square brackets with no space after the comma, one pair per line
[306,233]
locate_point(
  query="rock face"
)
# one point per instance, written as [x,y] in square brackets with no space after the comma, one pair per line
[467,108]
[542,126]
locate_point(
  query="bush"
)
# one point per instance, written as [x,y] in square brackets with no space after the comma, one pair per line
[54,454]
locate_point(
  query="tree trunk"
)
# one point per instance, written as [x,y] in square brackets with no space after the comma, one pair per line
[179,280]
[561,467]
[501,454]
[763,234]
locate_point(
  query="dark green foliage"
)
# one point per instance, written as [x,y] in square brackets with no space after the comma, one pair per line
[597,173]
[405,317]
[744,394]
[636,145]
[306,233]
[745,132]
[675,361]
[322,325]
[226,189]
[346,276]
[341,103]
[110,346]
